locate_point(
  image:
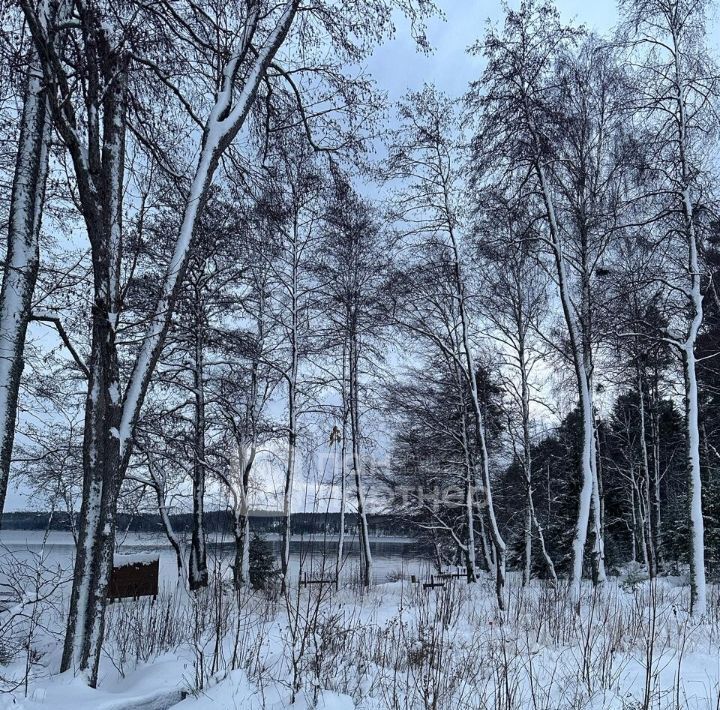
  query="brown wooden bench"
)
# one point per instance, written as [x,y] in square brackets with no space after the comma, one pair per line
[305,580]
[432,584]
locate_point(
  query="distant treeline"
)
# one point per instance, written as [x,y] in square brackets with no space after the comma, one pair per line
[216,521]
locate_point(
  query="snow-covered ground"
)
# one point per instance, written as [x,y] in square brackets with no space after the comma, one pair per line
[397,646]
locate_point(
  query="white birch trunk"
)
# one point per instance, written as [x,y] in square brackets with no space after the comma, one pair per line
[241,530]
[633,520]
[655,486]
[343,505]
[170,533]
[247,443]
[289,483]
[698,601]
[242,519]
[23,257]
[469,480]
[599,575]
[470,563]
[657,543]
[698,592]
[159,485]
[589,491]
[495,535]
[487,549]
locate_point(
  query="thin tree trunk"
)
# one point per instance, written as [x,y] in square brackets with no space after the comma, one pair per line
[469,515]
[588,368]
[158,484]
[527,552]
[242,511]
[633,520]
[197,570]
[169,531]
[292,433]
[343,470]
[541,538]
[366,556]
[639,519]
[698,592]
[531,518]
[241,530]
[656,512]
[469,482]
[598,507]
[343,505]
[649,534]
[485,545]
[247,443]
[497,540]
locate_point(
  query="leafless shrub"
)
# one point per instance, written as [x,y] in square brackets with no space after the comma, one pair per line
[30,612]
[138,631]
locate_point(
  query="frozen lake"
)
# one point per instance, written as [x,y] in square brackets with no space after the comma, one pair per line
[391,555]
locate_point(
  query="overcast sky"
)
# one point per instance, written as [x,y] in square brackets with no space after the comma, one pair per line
[398,67]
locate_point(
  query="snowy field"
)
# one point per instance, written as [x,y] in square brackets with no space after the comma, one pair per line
[397,646]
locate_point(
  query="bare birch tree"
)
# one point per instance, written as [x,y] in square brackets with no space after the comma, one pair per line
[675,89]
